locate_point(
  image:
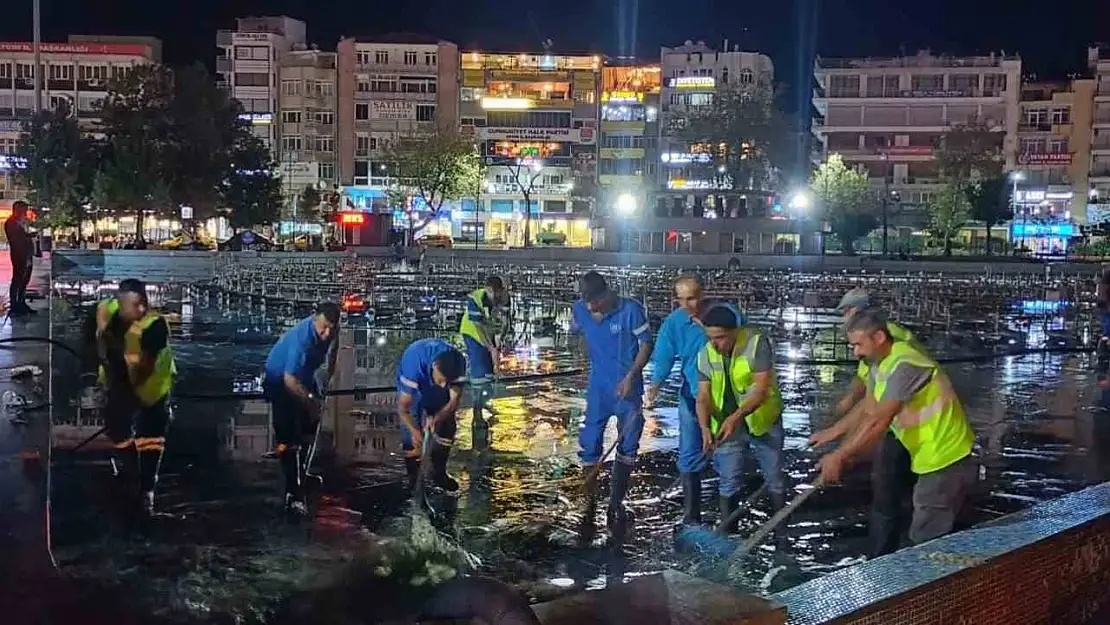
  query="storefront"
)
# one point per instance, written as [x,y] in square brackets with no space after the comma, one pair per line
[1043,239]
[575,231]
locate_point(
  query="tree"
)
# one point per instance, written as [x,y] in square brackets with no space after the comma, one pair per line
[949,209]
[308,205]
[525,174]
[847,199]
[747,136]
[58,167]
[250,191]
[990,202]
[138,143]
[433,168]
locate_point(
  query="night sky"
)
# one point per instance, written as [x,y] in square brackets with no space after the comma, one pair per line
[1050,35]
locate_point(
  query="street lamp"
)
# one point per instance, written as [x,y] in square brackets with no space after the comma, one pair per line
[800,201]
[626,204]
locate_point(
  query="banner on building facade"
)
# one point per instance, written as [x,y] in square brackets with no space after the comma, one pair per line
[250,37]
[532,134]
[392,109]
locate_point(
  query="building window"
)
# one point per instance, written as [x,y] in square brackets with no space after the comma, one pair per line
[252,53]
[676,99]
[325,144]
[700,99]
[994,85]
[291,87]
[61,72]
[383,85]
[324,89]
[327,171]
[245,79]
[362,58]
[470,94]
[25,71]
[1058,146]
[363,85]
[425,112]
[324,117]
[290,117]
[381,57]
[1036,117]
[747,77]
[362,111]
[410,58]
[1061,116]
[88,72]
[291,143]
[430,58]
[1032,146]
[373,143]
[6,71]
[362,145]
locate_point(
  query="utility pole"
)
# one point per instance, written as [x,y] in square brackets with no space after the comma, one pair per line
[37,18]
[888,173]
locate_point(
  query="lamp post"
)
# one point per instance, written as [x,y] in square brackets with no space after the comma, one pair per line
[799,203]
[36,17]
[1015,178]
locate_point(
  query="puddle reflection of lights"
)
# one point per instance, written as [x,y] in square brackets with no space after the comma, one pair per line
[793,353]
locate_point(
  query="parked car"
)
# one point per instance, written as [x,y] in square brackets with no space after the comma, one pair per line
[185,241]
[551,238]
[436,240]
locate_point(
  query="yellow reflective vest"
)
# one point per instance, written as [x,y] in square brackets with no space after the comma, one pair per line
[897,332]
[932,425]
[479,331]
[160,382]
[741,375]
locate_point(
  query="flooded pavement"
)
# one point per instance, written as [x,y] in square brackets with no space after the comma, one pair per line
[230,553]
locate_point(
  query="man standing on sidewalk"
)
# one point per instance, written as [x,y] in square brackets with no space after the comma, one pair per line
[21,248]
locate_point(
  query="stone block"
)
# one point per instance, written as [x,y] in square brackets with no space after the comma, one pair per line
[668,598]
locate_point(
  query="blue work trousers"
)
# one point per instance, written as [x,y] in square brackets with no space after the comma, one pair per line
[728,459]
[690,458]
[425,406]
[602,403]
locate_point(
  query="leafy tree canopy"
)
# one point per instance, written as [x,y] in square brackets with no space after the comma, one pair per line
[847,199]
[434,168]
[58,166]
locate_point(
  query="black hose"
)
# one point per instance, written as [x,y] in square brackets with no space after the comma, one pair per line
[478,598]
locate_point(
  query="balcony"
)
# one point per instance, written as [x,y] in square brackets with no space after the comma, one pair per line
[919,61]
[1040,127]
[411,70]
[223,65]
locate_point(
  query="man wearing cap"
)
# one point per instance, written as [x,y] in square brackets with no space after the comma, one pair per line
[913,398]
[739,406]
[890,469]
[478,329]
[618,343]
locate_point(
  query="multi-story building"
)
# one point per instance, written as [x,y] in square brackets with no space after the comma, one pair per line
[888,114]
[1054,153]
[77,74]
[364,426]
[390,87]
[248,64]
[307,128]
[1098,58]
[535,118]
[628,141]
[693,74]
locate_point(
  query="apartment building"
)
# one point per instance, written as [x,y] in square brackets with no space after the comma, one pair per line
[391,87]
[248,65]
[306,125]
[1098,59]
[539,111]
[1054,152]
[887,114]
[76,74]
[364,427]
[629,137]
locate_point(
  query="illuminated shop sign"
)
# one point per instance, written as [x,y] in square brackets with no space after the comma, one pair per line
[257,119]
[1031,195]
[692,82]
[1045,158]
[682,158]
[679,184]
[626,97]
[8,161]
[1019,230]
[506,104]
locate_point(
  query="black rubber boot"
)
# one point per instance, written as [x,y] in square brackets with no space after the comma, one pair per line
[691,499]
[621,480]
[778,537]
[727,505]
[412,472]
[294,498]
[587,529]
[440,478]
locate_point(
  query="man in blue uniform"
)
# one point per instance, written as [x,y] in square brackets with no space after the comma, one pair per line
[429,388]
[618,342]
[680,339]
[289,384]
[478,327]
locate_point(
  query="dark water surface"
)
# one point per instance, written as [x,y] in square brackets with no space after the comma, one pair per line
[230,550]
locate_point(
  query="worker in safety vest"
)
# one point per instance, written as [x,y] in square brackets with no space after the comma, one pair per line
[739,406]
[478,328]
[913,397]
[890,467]
[137,369]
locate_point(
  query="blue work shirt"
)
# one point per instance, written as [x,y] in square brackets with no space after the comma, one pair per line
[680,338]
[612,342]
[299,352]
[414,374]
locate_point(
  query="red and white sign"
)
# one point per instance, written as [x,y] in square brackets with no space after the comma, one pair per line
[118,49]
[1045,158]
[572,135]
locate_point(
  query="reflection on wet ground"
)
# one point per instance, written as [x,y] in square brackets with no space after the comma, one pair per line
[230,551]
